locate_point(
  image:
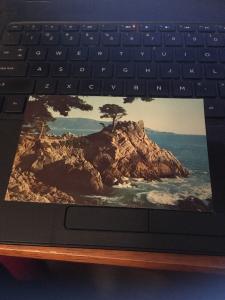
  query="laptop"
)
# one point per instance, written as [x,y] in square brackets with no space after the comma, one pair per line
[112,124]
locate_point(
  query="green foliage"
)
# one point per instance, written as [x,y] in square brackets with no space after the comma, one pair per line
[38,111]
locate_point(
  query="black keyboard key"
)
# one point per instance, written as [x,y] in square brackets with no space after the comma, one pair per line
[51,27]
[110,39]
[57,53]
[120,54]
[70,27]
[185,55]
[39,70]
[182,89]
[50,38]
[147,27]
[45,87]
[67,86]
[78,54]
[158,89]
[70,38]
[192,71]
[142,54]
[98,54]
[113,88]
[17,85]
[164,55]
[90,38]
[90,87]
[12,69]
[131,39]
[214,108]
[108,27]
[89,27]
[82,70]
[125,70]
[221,86]
[206,89]
[173,39]
[206,28]
[61,70]
[222,54]
[221,28]
[170,71]
[13,53]
[31,38]
[147,70]
[208,55]
[215,71]
[14,104]
[194,39]
[166,27]
[186,28]
[128,27]
[215,40]
[136,88]
[152,39]
[11,38]
[15,27]
[32,27]
[1,101]
[103,70]
[37,53]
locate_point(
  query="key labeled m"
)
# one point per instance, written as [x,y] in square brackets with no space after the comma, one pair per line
[182,88]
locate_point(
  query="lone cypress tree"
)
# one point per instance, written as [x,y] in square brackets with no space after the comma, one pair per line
[112,111]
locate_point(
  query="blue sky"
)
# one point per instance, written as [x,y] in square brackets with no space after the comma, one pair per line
[183,116]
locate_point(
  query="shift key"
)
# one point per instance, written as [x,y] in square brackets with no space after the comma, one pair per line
[16,86]
[13,69]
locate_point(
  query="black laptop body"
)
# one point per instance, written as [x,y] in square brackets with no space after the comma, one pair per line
[112,124]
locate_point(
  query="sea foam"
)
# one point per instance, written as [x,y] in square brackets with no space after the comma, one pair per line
[166,197]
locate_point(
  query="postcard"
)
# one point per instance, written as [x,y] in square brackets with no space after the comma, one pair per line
[113,151]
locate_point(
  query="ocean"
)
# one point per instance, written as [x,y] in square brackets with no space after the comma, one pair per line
[191,150]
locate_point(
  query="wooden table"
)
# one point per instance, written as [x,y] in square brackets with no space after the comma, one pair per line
[146,260]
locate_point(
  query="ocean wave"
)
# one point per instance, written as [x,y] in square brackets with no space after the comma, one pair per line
[165,181]
[201,192]
[138,179]
[132,183]
[124,185]
[157,197]
[105,198]
[139,196]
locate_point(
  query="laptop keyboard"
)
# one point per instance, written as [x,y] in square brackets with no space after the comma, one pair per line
[149,60]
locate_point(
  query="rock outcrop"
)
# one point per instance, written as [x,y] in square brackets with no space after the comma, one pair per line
[128,152]
[60,167]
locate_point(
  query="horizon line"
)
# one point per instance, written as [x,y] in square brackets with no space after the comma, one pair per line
[128,121]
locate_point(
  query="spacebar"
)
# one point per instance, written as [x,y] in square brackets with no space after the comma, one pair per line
[16,86]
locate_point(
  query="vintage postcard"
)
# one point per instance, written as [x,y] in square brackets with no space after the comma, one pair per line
[113,151]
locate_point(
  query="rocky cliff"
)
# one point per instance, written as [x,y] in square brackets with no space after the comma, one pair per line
[60,167]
